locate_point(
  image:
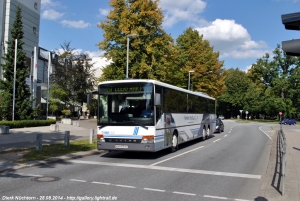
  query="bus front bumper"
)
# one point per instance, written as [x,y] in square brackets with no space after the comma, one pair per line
[126,146]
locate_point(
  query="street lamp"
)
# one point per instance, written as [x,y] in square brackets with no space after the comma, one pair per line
[191,71]
[128,38]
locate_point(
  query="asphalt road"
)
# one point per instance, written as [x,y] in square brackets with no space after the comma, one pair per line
[227,166]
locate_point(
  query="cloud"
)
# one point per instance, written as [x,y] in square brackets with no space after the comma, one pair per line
[232,40]
[79,51]
[51,14]
[75,24]
[48,3]
[104,12]
[95,54]
[179,10]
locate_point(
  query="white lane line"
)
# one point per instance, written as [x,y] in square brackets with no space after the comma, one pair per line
[96,182]
[153,189]
[265,133]
[217,140]
[225,135]
[125,186]
[176,156]
[229,131]
[78,180]
[228,174]
[183,193]
[216,197]
[34,175]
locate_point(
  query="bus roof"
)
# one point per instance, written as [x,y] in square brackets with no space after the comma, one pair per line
[157,83]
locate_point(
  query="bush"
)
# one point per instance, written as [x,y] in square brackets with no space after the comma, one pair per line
[27,123]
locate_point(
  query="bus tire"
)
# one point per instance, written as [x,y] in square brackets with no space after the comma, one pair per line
[204,134]
[174,145]
[208,133]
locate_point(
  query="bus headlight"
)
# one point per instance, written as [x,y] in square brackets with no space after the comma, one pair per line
[148,139]
[100,137]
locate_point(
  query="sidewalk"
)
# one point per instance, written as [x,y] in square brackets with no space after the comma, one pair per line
[271,184]
[26,138]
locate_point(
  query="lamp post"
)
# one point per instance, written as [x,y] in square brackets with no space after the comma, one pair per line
[191,71]
[15,72]
[128,38]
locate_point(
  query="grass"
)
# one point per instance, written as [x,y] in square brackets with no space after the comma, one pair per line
[258,121]
[54,150]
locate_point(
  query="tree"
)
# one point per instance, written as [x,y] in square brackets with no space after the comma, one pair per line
[280,78]
[73,78]
[23,108]
[233,98]
[150,53]
[196,54]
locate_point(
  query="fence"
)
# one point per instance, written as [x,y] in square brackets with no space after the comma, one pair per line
[282,147]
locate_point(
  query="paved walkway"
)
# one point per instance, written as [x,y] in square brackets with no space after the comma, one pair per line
[26,138]
[271,184]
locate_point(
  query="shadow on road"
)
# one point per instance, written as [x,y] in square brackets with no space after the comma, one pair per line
[276,181]
[296,148]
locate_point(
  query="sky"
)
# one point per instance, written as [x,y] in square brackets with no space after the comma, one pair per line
[242,31]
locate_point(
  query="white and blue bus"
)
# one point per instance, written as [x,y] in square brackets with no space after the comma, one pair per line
[148,115]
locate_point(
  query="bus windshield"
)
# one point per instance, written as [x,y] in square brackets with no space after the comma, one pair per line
[126,104]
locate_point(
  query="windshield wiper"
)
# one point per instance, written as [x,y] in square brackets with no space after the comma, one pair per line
[145,127]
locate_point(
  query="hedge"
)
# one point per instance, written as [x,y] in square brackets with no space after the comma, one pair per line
[27,123]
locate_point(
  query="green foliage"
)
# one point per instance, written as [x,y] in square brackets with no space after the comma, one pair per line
[66,112]
[270,86]
[72,79]
[149,54]
[23,108]
[27,123]
[196,54]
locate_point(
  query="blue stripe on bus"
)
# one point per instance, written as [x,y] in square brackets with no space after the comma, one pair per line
[136,130]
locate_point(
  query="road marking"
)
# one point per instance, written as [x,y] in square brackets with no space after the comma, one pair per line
[228,174]
[125,186]
[153,189]
[265,133]
[78,180]
[95,182]
[34,175]
[225,135]
[176,156]
[183,193]
[217,140]
[216,197]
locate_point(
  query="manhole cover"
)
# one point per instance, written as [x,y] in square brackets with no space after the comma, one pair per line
[46,179]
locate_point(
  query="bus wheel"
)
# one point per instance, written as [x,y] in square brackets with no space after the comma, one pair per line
[174,146]
[207,133]
[204,134]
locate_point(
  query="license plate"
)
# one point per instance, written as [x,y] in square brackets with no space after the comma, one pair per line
[121,146]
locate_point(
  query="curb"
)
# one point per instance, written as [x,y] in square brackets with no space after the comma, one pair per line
[54,160]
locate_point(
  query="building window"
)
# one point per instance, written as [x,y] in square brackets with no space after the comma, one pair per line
[35,5]
[34,30]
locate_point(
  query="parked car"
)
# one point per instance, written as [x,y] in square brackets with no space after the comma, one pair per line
[219,125]
[288,121]
[221,117]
